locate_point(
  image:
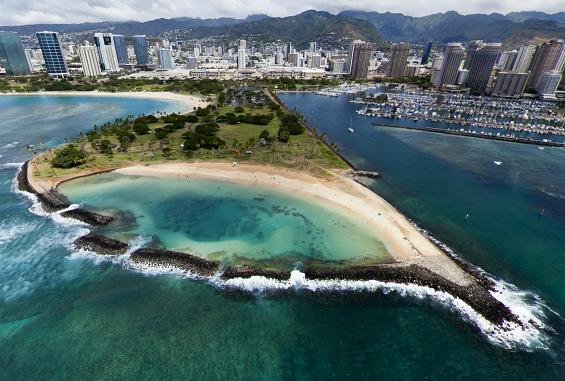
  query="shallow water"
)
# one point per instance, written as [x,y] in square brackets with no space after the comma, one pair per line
[229,222]
[73,315]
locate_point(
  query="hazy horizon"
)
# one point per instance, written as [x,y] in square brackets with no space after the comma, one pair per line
[81,11]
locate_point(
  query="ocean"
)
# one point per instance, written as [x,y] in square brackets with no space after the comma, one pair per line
[72,314]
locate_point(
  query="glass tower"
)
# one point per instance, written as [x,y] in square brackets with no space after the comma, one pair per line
[121,49]
[12,55]
[140,48]
[52,53]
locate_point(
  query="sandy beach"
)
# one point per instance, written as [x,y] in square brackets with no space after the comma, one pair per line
[406,244]
[189,101]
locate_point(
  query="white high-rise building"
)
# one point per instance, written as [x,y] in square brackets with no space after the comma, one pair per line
[524,59]
[242,44]
[90,61]
[107,52]
[165,57]
[241,58]
[315,61]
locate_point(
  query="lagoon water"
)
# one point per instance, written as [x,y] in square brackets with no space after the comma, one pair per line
[228,222]
[71,315]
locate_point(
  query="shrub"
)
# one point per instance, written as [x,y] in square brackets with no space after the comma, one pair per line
[106,147]
[191,119]
[161,133]
[68,157]
[239,109]
[202,111]
[141,129]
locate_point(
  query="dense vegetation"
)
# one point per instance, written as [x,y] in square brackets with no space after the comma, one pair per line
[68,157]
[111,84]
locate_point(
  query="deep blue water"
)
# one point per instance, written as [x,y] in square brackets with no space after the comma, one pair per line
[67,315]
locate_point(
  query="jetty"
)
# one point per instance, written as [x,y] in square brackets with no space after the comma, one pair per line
[446,131]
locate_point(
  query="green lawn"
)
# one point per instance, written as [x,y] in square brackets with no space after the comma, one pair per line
[303,152]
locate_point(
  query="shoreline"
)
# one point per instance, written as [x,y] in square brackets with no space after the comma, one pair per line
[403,242]
[423,264]
[189,101]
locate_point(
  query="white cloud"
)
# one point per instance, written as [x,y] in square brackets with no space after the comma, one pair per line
[15,12]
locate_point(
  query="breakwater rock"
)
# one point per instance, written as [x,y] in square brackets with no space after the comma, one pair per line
[53,201]
[183,261]
[100,244]
[85,216]
[475,295]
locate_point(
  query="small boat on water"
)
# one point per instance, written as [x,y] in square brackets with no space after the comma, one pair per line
[349,128]
[497,162]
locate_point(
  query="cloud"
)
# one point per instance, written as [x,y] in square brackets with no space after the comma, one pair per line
[17,12]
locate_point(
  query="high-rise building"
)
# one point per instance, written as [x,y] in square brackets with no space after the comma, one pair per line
[166,61]
[450,65]
[279,58]
[548,57]
[398,60]
[106,52]
[121,49]
[241,58]
[12,55]
[473,46]
[360,56]
[29,58]
[548,83]
[313,47]
[510,84]
[481,65]
[242,45]
[288,50]
[524,59]
[52,52]
[140,48]
[315,61]
[293,58]
[426,53]
[90,60]
[507,60]
[412,70]
[436,69]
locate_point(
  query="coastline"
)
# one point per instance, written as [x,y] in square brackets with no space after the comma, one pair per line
[402,240]
[425,265]
[190,101]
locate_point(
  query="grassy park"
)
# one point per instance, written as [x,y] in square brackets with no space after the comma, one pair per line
[243,127]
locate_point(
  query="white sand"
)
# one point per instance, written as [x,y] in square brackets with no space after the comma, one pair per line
[402,240]
[188,101]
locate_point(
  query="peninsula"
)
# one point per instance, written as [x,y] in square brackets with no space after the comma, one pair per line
[248,138]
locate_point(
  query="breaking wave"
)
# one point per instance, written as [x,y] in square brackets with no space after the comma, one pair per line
[529,308]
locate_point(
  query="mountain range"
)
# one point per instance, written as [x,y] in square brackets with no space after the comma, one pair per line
[512,29]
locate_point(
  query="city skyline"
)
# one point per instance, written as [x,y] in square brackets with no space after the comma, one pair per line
[65,11]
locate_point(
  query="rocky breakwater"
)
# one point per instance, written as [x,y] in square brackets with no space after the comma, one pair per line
[157,257]
[53,201]
[100,244]
[476,295]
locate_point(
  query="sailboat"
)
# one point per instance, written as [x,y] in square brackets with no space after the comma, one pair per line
[349,128]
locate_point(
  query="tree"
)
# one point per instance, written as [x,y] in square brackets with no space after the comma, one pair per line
[68,157]
[124,143]
[105,147]
[141,129]
[239,109]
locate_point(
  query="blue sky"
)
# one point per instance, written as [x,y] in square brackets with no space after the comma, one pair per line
[17,12]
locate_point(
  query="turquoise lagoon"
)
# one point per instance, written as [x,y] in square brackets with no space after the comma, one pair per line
[226,221]
[69,315]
